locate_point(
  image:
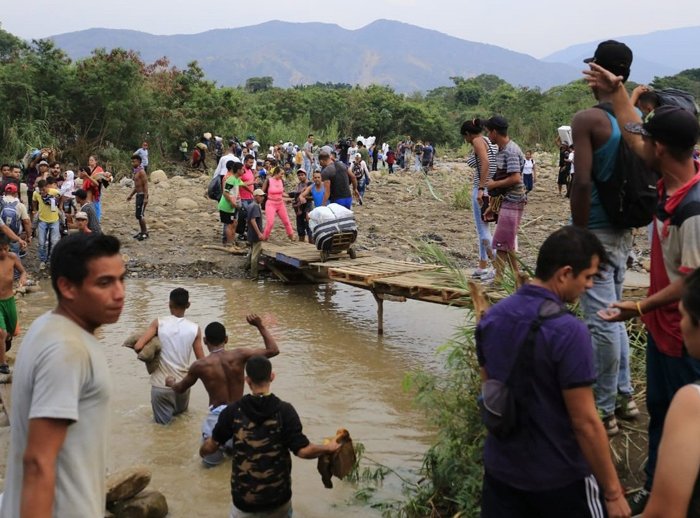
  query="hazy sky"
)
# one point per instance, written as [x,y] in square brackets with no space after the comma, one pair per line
[537,27]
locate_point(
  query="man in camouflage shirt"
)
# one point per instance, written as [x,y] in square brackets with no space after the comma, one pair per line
[264,429]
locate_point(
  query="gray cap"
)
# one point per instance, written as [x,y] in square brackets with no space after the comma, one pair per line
[326,150]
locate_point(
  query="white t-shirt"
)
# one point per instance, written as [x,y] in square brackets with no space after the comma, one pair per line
[176,337]
[221,166]
[528,166]
[61,373]
[571,159]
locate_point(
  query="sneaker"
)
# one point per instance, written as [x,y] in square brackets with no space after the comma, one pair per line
[479,272]
[625,407]
[610,424]
[638,501]
[489,276]
[42,266]
[137,235]
[141,237]
[4,368]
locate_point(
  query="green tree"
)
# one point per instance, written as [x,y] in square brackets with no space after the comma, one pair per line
[258,84]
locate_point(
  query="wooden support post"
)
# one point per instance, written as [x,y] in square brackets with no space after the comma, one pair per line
[479,301]
[380,313]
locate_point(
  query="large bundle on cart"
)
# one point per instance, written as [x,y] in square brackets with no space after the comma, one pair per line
[334,229]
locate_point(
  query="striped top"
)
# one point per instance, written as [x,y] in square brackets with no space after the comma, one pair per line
[474,162]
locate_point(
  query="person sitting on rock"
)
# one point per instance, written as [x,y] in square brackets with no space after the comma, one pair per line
[222,373]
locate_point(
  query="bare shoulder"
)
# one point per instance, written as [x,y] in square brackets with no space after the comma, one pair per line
[588,117]
[237,356]
[688,398]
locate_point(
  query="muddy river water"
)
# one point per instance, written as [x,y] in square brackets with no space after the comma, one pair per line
[332,367]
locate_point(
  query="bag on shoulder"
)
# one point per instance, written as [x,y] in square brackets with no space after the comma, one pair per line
[629,196]
[677,97]
[503,405]
[214,190]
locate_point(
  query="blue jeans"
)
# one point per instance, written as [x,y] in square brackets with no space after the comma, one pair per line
[610,341]
[53,232]
[98,209]
[665,376]
[308,166]
[482,228]
[345,202]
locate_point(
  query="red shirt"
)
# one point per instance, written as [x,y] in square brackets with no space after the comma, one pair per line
[674,254]
[90,186]
[248,176]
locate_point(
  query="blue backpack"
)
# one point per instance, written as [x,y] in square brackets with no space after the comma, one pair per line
[10,216]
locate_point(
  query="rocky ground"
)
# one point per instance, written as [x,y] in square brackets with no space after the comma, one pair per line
[399,210]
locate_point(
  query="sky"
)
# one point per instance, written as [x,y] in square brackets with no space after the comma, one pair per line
[535,27]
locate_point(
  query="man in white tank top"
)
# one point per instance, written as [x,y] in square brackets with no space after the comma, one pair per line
[178,337]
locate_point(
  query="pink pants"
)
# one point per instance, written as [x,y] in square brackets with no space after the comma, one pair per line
[273,209]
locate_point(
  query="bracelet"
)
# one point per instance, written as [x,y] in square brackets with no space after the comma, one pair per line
[612,499]
[639,308]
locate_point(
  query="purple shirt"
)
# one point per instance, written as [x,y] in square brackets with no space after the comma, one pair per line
[544,454]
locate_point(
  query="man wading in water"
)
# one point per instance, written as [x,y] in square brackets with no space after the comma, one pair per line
[222,373]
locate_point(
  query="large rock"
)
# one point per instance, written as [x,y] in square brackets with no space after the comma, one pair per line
[148,504]
[126,182]
[158,176]
[127,483]
[185,204]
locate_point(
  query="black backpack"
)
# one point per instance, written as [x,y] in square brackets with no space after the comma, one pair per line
[629,196]
[677,97]
[215,189]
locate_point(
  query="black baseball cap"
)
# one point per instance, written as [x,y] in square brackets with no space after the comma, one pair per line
[671,125]
[497,122]
[613,56]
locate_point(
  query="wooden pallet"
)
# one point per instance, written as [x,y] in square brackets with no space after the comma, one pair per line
[426,285]
[344,262]
[365,274]
[298,255]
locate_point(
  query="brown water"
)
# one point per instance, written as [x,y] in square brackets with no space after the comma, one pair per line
[332,367]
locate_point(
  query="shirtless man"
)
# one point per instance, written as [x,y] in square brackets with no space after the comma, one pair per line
[9,262]
[141,191]
[222,373]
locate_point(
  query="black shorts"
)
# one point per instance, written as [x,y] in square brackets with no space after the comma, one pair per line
[227,217]
[140,205]
[563,176]
[581,499]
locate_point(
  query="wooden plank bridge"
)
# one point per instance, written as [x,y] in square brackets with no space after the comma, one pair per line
[386,279]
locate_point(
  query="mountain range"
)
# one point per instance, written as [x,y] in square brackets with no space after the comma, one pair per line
[660,53]
[406,57]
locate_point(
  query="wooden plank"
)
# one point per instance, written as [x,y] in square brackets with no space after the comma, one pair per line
[366,273]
